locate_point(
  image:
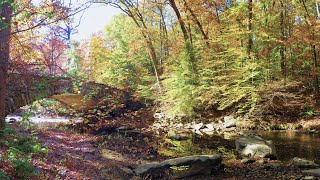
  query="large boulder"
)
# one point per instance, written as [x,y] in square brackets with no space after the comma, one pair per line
[304,163]
[255,146]
[181,167]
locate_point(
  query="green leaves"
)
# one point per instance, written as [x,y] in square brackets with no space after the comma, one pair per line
[24,170]
[4,176]
[26,14]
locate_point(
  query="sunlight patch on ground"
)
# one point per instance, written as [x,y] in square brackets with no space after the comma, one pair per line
[109,154]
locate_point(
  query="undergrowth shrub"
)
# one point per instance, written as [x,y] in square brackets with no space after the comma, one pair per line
[3,176]
[20,150]
[24,170]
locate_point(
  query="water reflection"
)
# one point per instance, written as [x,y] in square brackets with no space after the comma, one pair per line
[291,144]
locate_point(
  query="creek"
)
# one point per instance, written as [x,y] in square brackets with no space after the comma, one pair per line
[288,144]
[41,121]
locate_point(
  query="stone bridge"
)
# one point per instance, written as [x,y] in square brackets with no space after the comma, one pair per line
[22,89]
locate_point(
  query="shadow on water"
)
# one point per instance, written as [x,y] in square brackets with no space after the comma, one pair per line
[291,144]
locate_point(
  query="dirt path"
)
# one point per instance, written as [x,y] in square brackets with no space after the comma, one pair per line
[76,156]
[68,152]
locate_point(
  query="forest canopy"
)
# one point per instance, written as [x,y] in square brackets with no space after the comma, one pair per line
[199,55]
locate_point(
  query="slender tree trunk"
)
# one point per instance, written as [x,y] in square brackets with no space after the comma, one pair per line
[249,28]
[6,11]
[217,12]
[315,59]
[315,56]
[283,47]
[195,19]
[187,37]
[181,22]
[317,8]
[164,28]
[316,78]
[144,31]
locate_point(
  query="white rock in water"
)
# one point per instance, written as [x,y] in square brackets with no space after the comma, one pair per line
[210,126]
[255,146]
[208,132]
[198,132]
[198,126]
[228,118]
[229,121]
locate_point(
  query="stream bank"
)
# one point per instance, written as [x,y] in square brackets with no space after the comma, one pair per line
[136,138]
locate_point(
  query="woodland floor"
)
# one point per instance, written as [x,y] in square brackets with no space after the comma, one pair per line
[86,156]
[112,155]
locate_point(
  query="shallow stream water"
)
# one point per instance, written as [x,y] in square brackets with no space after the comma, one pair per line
[291,144]
[42,121]
[288,144]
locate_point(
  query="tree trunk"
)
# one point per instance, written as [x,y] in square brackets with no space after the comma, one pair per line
[316,79]
[134,13]
[315,55]
[195,19]
[6,11]
[317,8]
[181,22]
[187,39]
[249,28]
[283,47]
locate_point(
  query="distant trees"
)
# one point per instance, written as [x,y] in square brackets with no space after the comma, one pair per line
[136,10]
[201,55]
[220,54]
[18,20]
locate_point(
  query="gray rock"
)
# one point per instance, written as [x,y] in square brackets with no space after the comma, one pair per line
[12,120]
[127,171]
[182,167]
[247,161]
[209,127]
[308,178]
[229,121]
[177,137]
[255,146]
[314,172]
[198,126]
[197,132]
[208,131]
[304,163]
[188,126]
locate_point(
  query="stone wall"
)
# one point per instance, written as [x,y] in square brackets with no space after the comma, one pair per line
[24,89]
